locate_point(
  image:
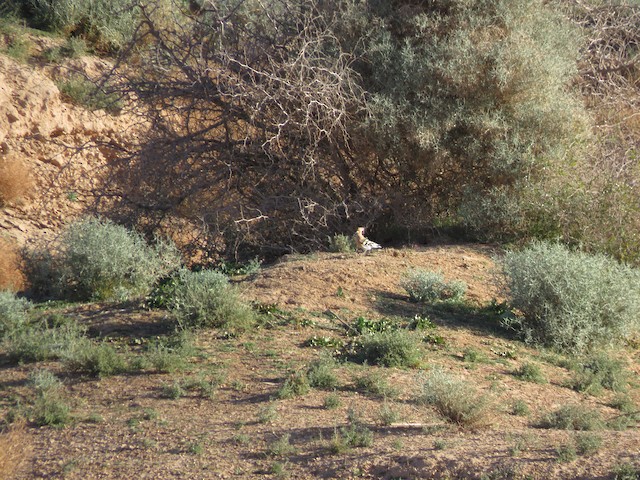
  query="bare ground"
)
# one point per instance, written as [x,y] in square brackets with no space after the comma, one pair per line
[127,426]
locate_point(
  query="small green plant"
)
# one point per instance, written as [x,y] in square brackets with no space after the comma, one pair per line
[355,435]
[19,48]
[279,469]
[324,342]
[207,299]
[394,348]
[74,47]
[388,415]
[232,269]
[434,339]
[455,399]
[171,354]
[364,325]
[440,444]
[340,243]
[471,355]
[429,287]
[374,383]
[296,384]
[587,443]
[599,372]
[98,359]
[573,417]
[41,340]
[624,403]
[421,322]
[566,453]
[108,25]
[195,448]
[241,439]
[281,447]
[49,407]
[520,408]
[173,391]
[320,374]
[521,443]
[332,401]
[530,372]
[13,313]
[626,471]
[268,413]
[82,91]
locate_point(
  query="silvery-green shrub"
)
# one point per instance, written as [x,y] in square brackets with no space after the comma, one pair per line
[96,259]
[426,286]
[570,300]
[207,299]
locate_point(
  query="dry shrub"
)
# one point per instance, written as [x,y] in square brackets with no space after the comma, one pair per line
[15,180]
[14,450]
[11,277]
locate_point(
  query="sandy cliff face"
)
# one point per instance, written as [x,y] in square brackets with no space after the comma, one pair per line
[57,141]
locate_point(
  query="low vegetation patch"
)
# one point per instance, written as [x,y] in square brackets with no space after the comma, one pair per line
[530,372]
[397,348]
[82,91]
[598,372]
[50,407]
[321,374]
[455,399]
[207,299]
[429,287]
[295,384]
[340,243]
[573,417]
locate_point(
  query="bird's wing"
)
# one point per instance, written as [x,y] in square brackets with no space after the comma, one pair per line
[370,244]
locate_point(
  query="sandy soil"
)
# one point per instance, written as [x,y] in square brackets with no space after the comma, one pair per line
[127,426]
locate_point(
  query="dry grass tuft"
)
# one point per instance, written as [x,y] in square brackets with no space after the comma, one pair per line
[11,277]
[15,180]
[14,450]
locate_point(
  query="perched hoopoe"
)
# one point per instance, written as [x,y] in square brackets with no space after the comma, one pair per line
[363,244]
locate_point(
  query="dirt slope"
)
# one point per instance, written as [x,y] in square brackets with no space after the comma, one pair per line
[168,425]
[54,139]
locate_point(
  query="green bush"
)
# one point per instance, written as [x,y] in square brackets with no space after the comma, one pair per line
[396,348]
[13,313]
[107,24]
[320,374]
[207,299]
[97,359]
[340,243]
[483,91]
[96,259]
[49,407]
[569,300]
[171,354]
[455,399]
[295,385]
[426,286]
[573,417]
[374,383]
[599,372]
[530,372]
[40,341]
[82,91]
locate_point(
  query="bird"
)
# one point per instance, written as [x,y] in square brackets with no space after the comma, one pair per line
[363,244]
